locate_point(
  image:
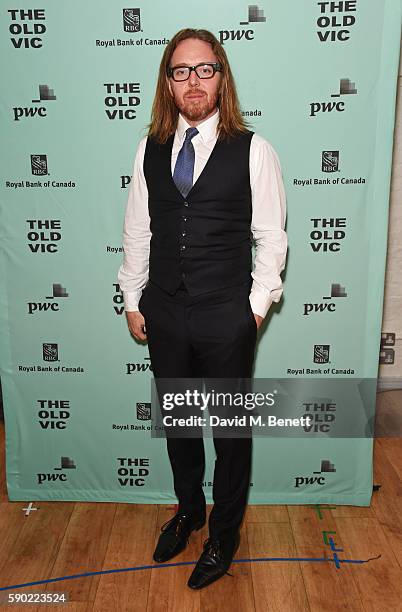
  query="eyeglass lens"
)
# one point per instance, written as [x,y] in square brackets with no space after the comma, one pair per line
[182,73]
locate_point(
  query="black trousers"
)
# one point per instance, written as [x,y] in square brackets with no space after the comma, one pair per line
[212,335]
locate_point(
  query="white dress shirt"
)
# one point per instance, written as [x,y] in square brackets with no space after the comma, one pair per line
[267,223]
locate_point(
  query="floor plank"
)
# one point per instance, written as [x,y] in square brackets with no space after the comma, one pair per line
[130,545]
[278,586]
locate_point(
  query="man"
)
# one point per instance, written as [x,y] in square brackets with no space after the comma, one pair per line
[202,184]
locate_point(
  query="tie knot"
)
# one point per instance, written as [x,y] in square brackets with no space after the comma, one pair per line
[190,133]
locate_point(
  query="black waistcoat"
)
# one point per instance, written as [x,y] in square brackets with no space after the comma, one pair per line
[204,239]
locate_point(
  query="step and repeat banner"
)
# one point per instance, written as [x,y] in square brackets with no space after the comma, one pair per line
[318,81]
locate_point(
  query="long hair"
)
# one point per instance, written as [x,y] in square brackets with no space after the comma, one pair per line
[165,113]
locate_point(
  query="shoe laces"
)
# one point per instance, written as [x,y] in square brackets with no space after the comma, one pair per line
[178,518]
[214,548]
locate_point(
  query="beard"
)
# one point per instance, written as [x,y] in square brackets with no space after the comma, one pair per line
[198,108]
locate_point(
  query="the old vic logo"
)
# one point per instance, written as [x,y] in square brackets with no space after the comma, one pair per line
[43,235]
[335,20]
[53,414]
[26,28]
[120,101]
[118,305]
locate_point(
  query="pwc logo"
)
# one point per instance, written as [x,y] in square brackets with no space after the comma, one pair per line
[255,15]
[46,94]
[66,464]
[51,302]
[346,88]
[133,368]
[326,467]
[328,302]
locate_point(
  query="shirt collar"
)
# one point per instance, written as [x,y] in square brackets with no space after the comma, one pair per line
[207,129]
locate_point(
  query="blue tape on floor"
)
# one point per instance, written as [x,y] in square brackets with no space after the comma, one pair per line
[336,560]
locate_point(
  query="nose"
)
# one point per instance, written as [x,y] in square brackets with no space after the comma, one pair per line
[193,79]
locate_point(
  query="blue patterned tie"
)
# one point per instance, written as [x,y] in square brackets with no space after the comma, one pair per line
[184,168]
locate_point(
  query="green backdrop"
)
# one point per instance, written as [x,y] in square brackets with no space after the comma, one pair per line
[318,80]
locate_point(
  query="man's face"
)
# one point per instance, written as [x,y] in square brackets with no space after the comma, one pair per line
[195,98]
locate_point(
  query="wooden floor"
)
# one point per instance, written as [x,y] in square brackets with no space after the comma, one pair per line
[65,538]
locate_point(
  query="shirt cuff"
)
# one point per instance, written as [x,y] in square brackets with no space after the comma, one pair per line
[131,299]
[261,300]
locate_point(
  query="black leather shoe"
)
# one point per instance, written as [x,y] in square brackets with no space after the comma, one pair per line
[175,534]
[214,561]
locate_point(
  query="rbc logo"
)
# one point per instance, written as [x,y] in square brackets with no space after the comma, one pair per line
[321,353]
[143,411]
[330,161]
[131,20]
[50,351]
[39,165]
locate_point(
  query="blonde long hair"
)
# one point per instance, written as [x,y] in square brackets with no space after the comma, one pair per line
[165,113]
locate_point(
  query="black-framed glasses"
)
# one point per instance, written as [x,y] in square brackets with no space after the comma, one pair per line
[203,71]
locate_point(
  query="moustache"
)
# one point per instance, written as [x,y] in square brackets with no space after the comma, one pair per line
[194,93]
